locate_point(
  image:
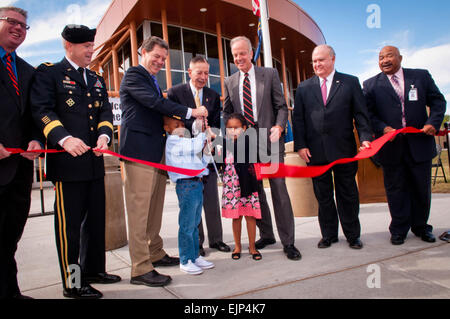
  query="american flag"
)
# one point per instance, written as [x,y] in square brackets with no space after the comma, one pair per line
[255,4]
[257,12]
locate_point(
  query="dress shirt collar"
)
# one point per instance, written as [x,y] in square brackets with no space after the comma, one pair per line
[251,72]
[398,74]
[75,66]
[194,89]
[3,53]
[329,78]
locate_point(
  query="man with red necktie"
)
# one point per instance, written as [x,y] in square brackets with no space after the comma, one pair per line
[16,131]
[256,93]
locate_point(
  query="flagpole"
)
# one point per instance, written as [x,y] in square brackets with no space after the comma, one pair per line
[266,34]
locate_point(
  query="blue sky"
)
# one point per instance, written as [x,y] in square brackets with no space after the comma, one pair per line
[419,28]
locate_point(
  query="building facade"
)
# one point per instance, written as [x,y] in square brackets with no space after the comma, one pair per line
[203,27]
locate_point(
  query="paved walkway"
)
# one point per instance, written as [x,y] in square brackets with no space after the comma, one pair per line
[380,270]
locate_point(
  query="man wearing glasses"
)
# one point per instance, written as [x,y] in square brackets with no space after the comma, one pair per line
[16,131]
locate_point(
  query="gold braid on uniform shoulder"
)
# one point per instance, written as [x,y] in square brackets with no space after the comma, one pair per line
[48,64]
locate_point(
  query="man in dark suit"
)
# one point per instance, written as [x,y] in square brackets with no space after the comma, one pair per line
[70,104]
[256,92]
[194,94]
[325,107]
[397,98]
[16,131]
[143,137]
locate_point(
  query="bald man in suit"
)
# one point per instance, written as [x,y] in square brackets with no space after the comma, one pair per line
[398,97]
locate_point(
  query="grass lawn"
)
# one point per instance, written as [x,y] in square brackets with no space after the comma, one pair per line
[441,186]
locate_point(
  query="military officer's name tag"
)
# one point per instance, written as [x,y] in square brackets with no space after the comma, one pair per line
[413,94]
[70,87]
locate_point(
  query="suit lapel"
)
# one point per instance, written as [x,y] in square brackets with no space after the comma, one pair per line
[23,80]
[150,79]
[188,96]
[91,79]
[259,79]
[206,100]
[235,98]
[409,82]
[7,82]
[316,88]
[335,85]
[387,86]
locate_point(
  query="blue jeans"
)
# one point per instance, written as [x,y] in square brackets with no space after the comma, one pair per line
[190,201]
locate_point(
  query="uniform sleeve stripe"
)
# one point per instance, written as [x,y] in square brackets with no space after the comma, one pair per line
[50,126]
[106,123]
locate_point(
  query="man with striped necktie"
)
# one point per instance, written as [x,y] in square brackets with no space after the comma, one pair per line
[16,131]
[256,93]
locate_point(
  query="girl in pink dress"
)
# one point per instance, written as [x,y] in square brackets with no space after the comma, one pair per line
[240,195]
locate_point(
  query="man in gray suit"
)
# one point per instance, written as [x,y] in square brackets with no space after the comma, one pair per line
[256,93]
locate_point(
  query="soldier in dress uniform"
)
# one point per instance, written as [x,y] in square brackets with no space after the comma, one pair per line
[70,105]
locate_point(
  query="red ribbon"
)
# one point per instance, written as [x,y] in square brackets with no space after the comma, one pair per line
[280,170]
[183,171]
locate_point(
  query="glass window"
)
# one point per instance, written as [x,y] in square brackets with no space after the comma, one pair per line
[231,66]
[214,83]
[177,77]
[176,58]
[156,29]
[127,55]
[161,78]
[140,35]
[213,54]
[194,44]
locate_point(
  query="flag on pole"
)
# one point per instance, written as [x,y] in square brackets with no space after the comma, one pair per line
[255,5]
[289,135]
[257,12]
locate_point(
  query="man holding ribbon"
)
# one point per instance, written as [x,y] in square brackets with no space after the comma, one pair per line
[70,105]
[17,130]
[326,106]
[194,94]
[143,137]
[398,98]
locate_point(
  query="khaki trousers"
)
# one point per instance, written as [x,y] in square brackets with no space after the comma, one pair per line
[145,188]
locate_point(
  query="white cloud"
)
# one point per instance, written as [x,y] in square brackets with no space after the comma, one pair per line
[434,59]
[6,3]
[49,26]
[38,53]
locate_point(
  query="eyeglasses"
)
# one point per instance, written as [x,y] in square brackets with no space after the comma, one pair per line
[14,22]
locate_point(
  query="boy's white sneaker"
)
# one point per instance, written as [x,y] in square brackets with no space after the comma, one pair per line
[203,263]
[190,268]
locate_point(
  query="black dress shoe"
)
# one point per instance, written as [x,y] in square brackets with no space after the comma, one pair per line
[151,279]
[263,242]
[326,242]
[101,278]
[355,243]
[220,246]
[292,252]
[428,237]
[201,251]
[397,240]
[85,292]
[167,261]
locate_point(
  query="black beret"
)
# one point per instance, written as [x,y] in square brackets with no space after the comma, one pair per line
[75,33]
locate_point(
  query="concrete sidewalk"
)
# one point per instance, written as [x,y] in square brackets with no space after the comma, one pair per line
[380,270]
